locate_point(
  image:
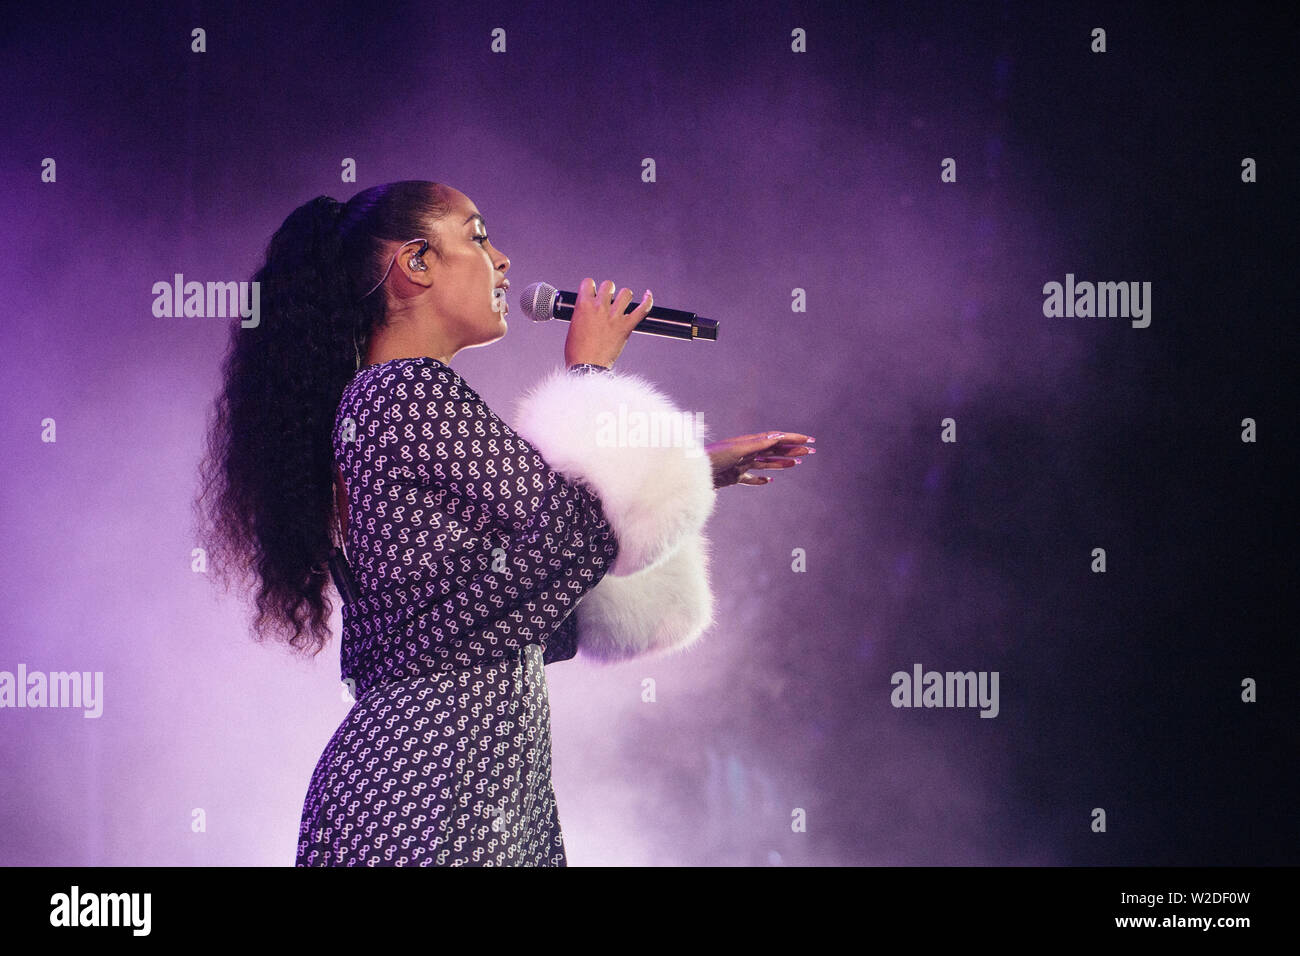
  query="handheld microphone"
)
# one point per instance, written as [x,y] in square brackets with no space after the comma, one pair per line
[541,302]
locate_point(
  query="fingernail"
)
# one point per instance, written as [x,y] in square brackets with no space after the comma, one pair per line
[812,451]
[810,441]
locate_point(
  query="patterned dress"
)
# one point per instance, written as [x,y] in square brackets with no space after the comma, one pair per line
[470,554]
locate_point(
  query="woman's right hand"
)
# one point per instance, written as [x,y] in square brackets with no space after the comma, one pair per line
[599,328]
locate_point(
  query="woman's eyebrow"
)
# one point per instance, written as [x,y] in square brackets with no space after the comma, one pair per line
[478,217]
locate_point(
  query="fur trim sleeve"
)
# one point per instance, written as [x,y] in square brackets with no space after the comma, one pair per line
[656,494]
[644,459]
[661,610]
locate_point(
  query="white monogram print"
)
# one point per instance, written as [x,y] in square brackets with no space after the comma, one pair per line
[470,554]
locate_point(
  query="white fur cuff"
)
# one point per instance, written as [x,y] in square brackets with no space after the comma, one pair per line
[658,611]
[643,458]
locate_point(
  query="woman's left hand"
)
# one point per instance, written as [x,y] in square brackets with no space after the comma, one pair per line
[733,457]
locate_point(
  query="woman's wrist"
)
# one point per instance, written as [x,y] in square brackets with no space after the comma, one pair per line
[587,368]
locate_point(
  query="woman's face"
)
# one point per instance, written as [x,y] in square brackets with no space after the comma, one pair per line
[464,281]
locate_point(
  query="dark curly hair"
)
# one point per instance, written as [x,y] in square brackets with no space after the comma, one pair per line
[266,506]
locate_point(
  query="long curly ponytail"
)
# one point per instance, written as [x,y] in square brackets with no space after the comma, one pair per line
[266,506]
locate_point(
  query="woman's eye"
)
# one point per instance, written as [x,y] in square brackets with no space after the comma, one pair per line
[482,238]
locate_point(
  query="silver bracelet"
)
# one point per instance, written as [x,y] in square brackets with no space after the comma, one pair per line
[586,368]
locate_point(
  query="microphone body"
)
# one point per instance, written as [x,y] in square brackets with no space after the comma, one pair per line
[542,302]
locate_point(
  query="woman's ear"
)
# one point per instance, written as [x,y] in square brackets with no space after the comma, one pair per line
[414,260]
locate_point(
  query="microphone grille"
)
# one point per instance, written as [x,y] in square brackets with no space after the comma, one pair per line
[538,301]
